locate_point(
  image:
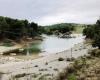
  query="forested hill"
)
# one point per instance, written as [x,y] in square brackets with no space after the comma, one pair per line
[16,29]
[64,27]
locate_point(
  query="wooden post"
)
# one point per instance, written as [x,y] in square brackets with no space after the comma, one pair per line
[71,52]
[27,50]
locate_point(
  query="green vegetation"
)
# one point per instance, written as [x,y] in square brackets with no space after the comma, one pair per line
[33,48]
[72,72]
[86,67]
[83,68]
[95,53]
[93,32]
[15,29]
[79,28]
[72,77]
[63,28]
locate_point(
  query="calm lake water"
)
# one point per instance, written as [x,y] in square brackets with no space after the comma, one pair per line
[53,44]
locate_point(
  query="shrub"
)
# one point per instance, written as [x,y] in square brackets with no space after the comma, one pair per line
[71,69]
[36,66]
[55,69]
[61,76]
[95,52]
[20,75]
[61,59]
[78,64]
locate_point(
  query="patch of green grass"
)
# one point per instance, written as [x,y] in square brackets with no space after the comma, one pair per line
[78,29]
[72,77]
[33,48]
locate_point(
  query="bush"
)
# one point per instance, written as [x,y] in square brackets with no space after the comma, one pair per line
[36,66]
[61,59]
[71,69]
[62,75]
[78,64]
[95,53]
[20,75]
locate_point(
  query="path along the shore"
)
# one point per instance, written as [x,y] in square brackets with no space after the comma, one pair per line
[47,67]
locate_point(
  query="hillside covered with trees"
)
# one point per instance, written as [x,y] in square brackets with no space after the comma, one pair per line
[16,29]
[63,28]
[93,32]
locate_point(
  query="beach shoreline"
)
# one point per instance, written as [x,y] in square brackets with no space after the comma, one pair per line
[45,65]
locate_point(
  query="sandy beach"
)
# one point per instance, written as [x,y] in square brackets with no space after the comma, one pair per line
[48,66]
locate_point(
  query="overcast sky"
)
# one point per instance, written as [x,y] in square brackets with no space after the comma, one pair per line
[45,12]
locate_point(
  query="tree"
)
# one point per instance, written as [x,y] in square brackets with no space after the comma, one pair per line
[97,34]
[3,26]
[96,42]
[33,29]
[89,31]
[93,32]
[17,29]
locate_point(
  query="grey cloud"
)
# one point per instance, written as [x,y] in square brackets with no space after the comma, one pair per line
[51,11]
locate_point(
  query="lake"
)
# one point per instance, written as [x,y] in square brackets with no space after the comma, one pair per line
[53,44]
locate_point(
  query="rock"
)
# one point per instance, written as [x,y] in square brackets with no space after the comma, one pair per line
[13,54]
